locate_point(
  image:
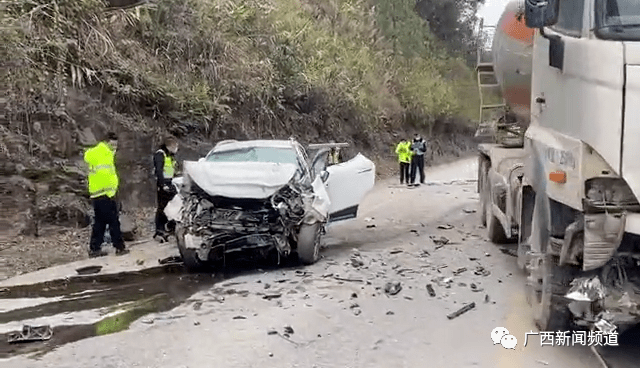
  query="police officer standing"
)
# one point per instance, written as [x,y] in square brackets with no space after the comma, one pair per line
[165,168]
[103,186]
[419,148]
[403,150]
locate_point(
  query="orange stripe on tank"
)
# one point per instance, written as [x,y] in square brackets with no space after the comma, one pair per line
[517,29]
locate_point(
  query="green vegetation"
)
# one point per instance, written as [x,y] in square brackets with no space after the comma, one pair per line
[206,60]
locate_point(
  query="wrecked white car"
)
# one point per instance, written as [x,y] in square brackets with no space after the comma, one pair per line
[263,195]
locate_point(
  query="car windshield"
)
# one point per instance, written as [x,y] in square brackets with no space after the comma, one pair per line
[256,154]
[618,20]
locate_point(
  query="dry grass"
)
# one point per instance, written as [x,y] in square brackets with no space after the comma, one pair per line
[200,59]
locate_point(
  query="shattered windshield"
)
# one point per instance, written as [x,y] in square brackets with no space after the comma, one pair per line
[618,20]
[256,154]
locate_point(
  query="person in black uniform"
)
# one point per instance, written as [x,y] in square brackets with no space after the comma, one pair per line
[165,167]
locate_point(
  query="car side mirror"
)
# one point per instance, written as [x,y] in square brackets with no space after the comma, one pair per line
[541,13]
[201,159]
[324,176]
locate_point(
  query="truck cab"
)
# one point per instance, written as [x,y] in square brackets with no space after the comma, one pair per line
[569,196]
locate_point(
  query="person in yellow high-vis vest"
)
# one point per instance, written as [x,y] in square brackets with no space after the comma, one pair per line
[103,186]
[403,150]
[164,163]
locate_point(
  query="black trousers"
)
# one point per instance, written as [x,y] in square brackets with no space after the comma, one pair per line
[106,213]
[404,172]
[417,164]
[162,222]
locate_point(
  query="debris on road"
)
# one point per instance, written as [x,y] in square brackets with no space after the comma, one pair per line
[140,262]
[486,298]
[371,226]
[88,270]
[481,271]
[271,296]
[390,313]
[288,330]
[272,332]
[239,317]
[170,260]
[445,227]
[393,288]
[430,290]
[30,334]
[468,210]
[443,281]
[346,279]
[439,241]
[396,251]
[462,310]
[509,251]
[459,271]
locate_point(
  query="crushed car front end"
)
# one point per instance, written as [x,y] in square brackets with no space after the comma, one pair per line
[238,207]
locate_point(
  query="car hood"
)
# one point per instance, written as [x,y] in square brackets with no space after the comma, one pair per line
[239,179]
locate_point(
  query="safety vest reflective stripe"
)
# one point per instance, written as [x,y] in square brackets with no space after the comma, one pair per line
[95,169]
[103,179]
[169,168]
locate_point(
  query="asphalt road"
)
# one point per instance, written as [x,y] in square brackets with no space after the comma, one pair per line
[345,311]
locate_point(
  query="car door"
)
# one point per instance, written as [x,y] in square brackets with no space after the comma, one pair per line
[347,184]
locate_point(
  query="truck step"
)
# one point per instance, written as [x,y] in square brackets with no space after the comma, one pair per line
[496,106]
[484,67]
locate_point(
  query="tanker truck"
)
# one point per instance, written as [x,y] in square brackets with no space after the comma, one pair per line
[560,181]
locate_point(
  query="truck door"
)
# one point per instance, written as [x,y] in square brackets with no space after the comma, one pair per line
[576,97]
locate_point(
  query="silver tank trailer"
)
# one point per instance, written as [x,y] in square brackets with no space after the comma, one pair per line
[512,59]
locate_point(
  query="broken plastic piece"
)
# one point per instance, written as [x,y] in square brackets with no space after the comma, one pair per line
[30,333]
[586,289]
[462,310]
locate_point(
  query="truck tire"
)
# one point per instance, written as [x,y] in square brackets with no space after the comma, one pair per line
[547,284]
[483,169]
[494,228]
[189,256]
[308,248]
[550,283]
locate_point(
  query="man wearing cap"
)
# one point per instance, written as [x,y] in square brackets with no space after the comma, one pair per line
[165,166]
[418,148]
[103,186]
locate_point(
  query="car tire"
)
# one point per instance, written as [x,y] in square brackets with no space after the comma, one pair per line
[189,256]
[308,248]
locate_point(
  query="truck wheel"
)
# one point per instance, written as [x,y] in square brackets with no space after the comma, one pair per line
[189,256]
[308,248]
[483,169]
[547,284]
[494,228]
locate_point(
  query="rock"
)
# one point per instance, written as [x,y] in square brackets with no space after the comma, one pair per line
[272,332]
[288,330]
[128,228]
[196,323]
[86,137]
[393,288]
[390,313]
[357,311]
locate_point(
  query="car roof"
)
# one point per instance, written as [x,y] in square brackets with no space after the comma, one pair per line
[267,143]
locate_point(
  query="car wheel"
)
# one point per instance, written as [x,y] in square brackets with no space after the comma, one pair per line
[309,243]
[189,256]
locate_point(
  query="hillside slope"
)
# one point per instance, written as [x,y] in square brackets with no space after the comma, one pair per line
[360,71]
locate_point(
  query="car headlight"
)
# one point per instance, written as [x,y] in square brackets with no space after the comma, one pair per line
[609,191]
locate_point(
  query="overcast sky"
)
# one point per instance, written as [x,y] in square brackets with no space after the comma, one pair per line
[492,10]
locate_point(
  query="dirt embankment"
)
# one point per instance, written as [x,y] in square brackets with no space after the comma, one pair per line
[70,87]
